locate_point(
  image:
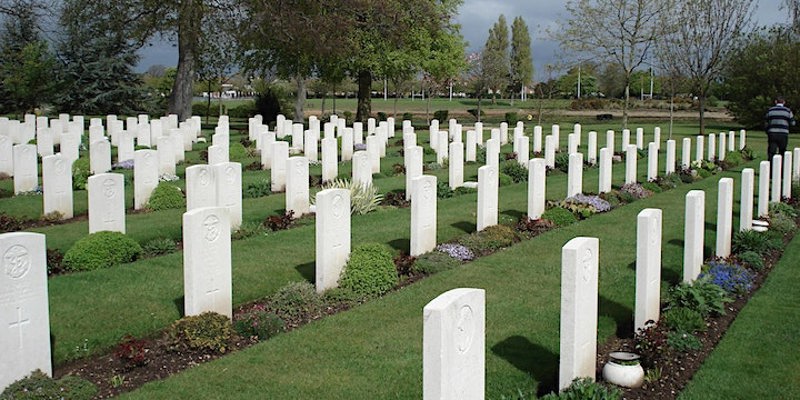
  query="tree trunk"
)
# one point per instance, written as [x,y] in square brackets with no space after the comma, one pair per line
[180,100]
[702,99]
[364,108]
[625,106]
[208,105]
[300,99]
[479,109]
[428,109]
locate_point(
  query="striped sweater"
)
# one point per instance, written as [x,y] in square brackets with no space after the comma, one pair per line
[778,119]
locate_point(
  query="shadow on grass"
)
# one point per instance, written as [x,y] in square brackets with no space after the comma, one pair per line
[402,244]
[516,214]
[467,227]
[307,271]
[532,359]
[621,314]
[180,304]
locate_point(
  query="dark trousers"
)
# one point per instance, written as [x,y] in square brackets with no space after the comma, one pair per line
[777,144]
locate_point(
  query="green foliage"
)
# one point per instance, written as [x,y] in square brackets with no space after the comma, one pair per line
[39,386]
[370,271]
[363,198]
[101,250]
[559,216]
[684,320]
[203,109]
[9,223]
[683,342]
[434,262]
[340,296]
[248,229]
[782,218]
[511,117]
[652,186]
[259,323]
[586,389]
[443,190]
[701,296]
[441,116]
[490,239]
[238,153]
[504,180]
[271,101]
[80,173]
[159,246]
[515,170]
[243,111]
[782,209]
[521,60]
[166,196]
[751,259]
[562,162]
[733,159]
[295,300]
[476,114]
[29,77]
[259,188]
[752,241]
[208,331]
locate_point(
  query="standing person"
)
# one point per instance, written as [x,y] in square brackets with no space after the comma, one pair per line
[778,120]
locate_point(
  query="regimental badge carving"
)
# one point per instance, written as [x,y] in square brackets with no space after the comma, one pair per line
[465,329]
[109,188]
[204,178]
[586,265]
[17,261]
[337,206]
[211,224]
[427,190]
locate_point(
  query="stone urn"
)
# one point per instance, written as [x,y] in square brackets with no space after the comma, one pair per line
[623,369]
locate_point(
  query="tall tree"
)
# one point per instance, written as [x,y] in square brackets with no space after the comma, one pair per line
[704,31]
[521,60]
[793,6]
[620,31]
[443,62]
[217,58]
[495,62]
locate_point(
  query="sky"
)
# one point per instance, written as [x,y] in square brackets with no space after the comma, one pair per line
[477,17]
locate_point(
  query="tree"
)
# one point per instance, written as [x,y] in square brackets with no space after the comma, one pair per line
[704,31]
[445,61]
[761,67]
[620,31]
[793,6]
[217,57]
[521,61]
[568,83]
[98,61]
[496,67]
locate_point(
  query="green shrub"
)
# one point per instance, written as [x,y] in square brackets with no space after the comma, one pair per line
[259,188]
[340,296]
[80,173]
[166,196]
[683,319]
[39,386]
[512,118]
[683,341]
[781,224]
[244,110]
[782,209]
[504,180]
[434,262]
[515,170]
[296,299]
[559,216]
[562,162]
[752,241]
[237,152]
[701,296]
[653,187]
[363,198]
[704,173]
[101,250]
[407,116]
[443,190]
[441,116]
[370,271]
[259,323]
[475,114]
[208,331]
[248,229]
[203,109]
[733,159]
[158,246]
[490,239]
[752,259]
[271,101]
[586,389]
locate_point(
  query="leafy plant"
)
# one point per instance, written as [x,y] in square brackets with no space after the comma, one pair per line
[562,162]
[396,199]
[434,262]
[101,250]
[280,222]
[515,170]
[751,259]
[132,352]
[158,246]
[9,223]
[701,295]
[652,186]
[248,229]
[40,386]
[532,227]
[440,115]
[752,241]
[683,341]
[404,264]
[295,300]
[443,190]
[259,188]
[559,216]
[165,197]
[259,323]
[490,239]
[635,190]
[504,180]
[585,389]
[363,198]
[370,271]
[734,278]
[683,319]
[208,331]
[81,171]
[457,251]
[651,341]
[55,262]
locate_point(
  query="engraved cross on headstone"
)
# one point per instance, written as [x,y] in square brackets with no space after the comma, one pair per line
[19,324]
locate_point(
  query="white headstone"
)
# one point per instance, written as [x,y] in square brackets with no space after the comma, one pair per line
[374,153]
[44,141]
[347,144]
[228,177]
[537,139]
[503,133]
[6,155]
[537,176]
[166,156]
[724,217]
[423,214]
[311,145]
[610,141]
[297,190]
[523,154]
[648,268]
[472,147]
[746,202]
[362,168]
[787,175]
[106,203]
[722,146]
[24,310]
[329,160]
[57,185]
[453,345]
[686,153]
[777,173]
[70,146]
[370,126]
[556,134]
[332,236]
[670,167]
[143,134]
[267,140]
[626,138]
[712,147]
[280,153]
[487,197]
[591,155]
[796,164]
[479,132]
[443,147]
[657,137]
[456,165]
[731,141]
[201,187]
[763,189]
[297,136]
[358,133]
[207,281]
[575,175]
[605,171]
[579,276]
[216,153]
[125,150]
[572,143]
[550,151]
[576,130]
[493,153]
[742,139]
[700,152]
[100,156]
[652,161]
[693,235]
[640,138]
[630,164]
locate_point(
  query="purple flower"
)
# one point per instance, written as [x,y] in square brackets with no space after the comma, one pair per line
[595,201]
[456,251]
[733,278]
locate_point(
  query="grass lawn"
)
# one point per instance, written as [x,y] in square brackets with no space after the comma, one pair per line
[757,358]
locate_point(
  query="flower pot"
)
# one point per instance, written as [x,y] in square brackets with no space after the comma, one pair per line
[623,369]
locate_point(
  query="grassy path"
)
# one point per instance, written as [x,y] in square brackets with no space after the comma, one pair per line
[375,350]
[757,358]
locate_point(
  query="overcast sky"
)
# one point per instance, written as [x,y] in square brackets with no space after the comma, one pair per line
[477,16]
